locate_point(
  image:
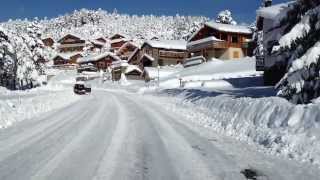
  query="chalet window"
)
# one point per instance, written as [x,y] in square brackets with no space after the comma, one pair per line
[148,51]
[234,39]
[198,53]
[224,37]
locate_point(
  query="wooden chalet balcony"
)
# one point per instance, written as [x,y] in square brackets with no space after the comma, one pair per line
[172,54]
[216,45]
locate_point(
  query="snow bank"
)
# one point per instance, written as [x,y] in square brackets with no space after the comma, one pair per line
[20,108]
[17,106]
[274,124]
[212,70]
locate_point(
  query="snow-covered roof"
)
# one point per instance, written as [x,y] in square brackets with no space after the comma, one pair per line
[127,44]
[133,54]
[46,37]
[67,55]
[205,40]
[118,34]
[69,34]
[96,57]
[194,61]
[119,63]
[274,11]
[72,45]
[119,40]
[229,28]
[101,38]
[96,42]
[168,44]
[148,57]
[131,68]
[224,28]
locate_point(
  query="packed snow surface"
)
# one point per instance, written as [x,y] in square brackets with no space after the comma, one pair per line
[212,70]
[226,96]
[168,44]
[170,133]
[273,123]
[22,105]
[274,12]
[229,27]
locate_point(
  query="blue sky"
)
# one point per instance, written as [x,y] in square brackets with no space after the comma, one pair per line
[243,10]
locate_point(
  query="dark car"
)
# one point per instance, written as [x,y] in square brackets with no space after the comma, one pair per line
[81,89]
[87,69]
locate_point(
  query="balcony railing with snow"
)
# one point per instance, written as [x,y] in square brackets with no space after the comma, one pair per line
[217,45]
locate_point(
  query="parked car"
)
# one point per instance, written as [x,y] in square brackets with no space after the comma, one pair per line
[81,78]
[194,61]
[87,68]
[81,88]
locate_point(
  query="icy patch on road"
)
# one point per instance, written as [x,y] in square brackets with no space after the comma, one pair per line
[273,123]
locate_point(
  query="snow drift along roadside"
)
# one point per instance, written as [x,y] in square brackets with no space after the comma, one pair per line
[272,123]
[17,108]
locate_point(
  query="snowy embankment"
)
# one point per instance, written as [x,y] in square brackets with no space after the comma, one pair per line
[273,123]
[245,111]
[22,105]
[211,72]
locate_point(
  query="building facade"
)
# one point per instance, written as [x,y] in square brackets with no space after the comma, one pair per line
[162,53]
[71,43]
[221,41]
[100,61]
[48,42]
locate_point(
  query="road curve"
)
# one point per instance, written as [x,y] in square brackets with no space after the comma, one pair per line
[110,135]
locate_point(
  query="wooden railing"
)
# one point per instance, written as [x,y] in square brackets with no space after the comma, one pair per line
[218,45]
[172,54]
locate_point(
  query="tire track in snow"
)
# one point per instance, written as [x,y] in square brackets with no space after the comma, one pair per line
[143,155]
[27,157]
[187,163]
[82,160]
[108,164]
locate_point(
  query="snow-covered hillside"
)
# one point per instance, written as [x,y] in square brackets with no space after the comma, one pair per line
[91,24]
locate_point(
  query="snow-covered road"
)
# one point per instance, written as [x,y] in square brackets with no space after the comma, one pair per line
[117,135]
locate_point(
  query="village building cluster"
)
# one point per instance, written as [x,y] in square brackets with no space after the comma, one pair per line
[120,54]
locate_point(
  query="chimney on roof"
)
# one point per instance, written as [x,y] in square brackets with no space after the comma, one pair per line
[267,3]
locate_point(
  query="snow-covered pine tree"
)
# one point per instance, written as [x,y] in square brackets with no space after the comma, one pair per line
[21,57]
[300,49]
[225,17]
[7,60]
